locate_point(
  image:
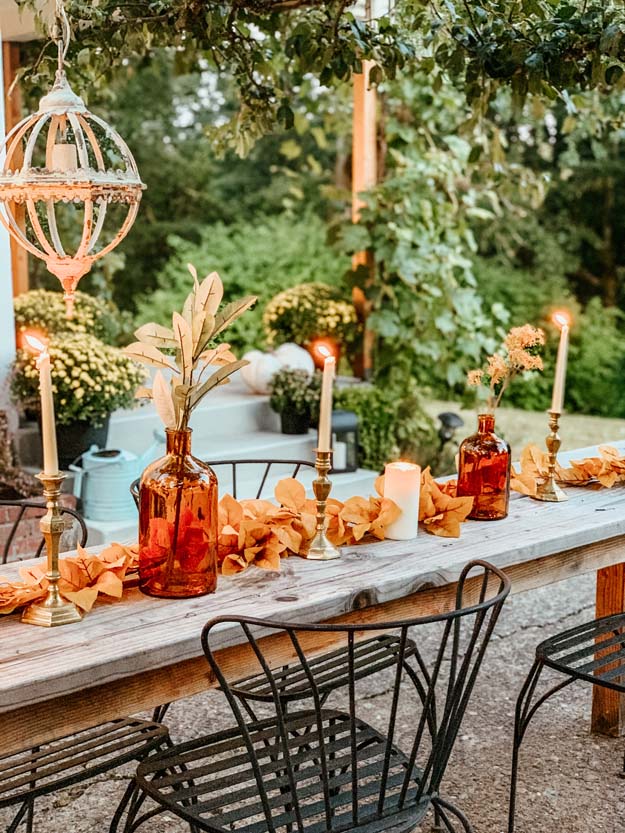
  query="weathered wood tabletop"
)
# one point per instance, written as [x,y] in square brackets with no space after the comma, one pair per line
[134,654]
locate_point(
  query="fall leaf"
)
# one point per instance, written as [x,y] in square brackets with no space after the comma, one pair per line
[163,401]
[147,354]
[291,494]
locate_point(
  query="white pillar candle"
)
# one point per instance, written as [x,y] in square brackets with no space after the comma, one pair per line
[325,406]
[64,158]
[48,426]
[557,398]
[402,484]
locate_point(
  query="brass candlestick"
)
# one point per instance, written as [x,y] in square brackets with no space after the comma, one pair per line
[321,549]
[54,609]
[548,489]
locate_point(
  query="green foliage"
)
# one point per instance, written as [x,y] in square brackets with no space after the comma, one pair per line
[295,391]
[541,47]
[252,259]
[391,423]
[306,311]
[431,323]
[45,310]
[90,379]
[597,352]
[267,48]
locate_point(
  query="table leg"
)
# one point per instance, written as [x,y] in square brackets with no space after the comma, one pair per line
[608,707]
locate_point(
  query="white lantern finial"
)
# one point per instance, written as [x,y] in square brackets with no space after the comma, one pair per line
[64,154]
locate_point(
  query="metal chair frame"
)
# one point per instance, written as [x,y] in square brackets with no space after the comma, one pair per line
[593,652]
[30,774]
[23,505]
[309,769]
[236,464]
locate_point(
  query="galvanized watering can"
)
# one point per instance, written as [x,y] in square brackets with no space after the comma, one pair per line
[103,480]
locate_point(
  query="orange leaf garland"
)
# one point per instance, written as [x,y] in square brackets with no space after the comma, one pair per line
[607,469]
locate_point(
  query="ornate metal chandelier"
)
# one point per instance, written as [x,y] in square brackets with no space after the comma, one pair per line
[64,155]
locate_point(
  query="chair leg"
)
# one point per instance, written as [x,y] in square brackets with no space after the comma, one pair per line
[26,809]
[442,809]
[524,712]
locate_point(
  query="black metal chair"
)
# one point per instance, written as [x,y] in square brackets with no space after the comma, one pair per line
[30,774]
[293,469]
[593,652]
[23,506]
[313,769]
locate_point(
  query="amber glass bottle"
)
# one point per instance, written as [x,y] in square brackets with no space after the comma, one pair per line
[178,523]
[484,471]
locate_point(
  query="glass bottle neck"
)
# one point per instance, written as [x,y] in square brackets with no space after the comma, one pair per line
[486,423]
[178,442]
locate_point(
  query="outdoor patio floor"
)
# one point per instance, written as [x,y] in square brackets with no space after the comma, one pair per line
[570,782]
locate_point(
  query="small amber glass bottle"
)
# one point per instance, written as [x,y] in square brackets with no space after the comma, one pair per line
[178,523]
[484,471]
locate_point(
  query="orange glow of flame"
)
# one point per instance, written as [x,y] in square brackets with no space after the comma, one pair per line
[561,318]
[403,465]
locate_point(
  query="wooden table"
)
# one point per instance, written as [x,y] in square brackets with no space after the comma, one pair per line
[132,655]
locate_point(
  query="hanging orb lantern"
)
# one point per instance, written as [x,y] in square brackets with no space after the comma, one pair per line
[63,155]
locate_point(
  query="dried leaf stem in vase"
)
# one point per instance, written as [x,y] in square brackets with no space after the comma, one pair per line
[189,363]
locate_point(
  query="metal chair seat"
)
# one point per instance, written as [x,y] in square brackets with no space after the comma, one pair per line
[58,764]
[331,670]
[574,652]
[593,652]
[211,783]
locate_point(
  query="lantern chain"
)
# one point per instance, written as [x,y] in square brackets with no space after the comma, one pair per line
[61,33]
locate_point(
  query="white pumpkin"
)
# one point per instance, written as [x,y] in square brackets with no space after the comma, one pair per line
[260,370]
[296,357]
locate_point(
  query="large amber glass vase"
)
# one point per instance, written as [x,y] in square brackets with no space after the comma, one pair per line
[178,523]
[484,471]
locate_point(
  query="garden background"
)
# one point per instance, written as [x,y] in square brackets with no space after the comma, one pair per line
[502,167]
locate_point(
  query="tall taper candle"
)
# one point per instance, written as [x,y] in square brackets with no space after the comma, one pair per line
[402,483]
[557,399]
[48,426]
[325,406]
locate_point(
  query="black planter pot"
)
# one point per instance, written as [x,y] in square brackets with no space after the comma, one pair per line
[294,423]
[77,437]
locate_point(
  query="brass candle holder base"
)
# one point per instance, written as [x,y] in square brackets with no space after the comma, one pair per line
[548,490]
[54,610]
[320,548]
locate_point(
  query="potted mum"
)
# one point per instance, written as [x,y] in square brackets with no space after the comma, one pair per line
[178,494]
[309,312]
[294,394]
[484,458]
[90,380]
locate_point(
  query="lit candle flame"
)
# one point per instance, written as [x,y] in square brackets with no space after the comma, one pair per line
[561,318]
[35,343]
[324,351]
[403,465]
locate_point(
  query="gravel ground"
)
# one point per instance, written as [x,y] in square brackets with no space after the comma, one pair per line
[570,781]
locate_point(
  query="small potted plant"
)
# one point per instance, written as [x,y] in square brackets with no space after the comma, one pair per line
[90,380]
[294,394]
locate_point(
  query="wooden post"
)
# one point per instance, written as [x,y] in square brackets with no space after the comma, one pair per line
[12,115]
[608,707]
[364,176]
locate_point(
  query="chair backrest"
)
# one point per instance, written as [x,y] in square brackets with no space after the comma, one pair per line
[258,471]
[25,518]
[367,777]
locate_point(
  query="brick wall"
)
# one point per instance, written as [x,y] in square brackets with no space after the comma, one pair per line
[28,535]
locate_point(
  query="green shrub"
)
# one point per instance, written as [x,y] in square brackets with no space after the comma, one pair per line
[42,309]
[390,425]
[596,365]
[252,259]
